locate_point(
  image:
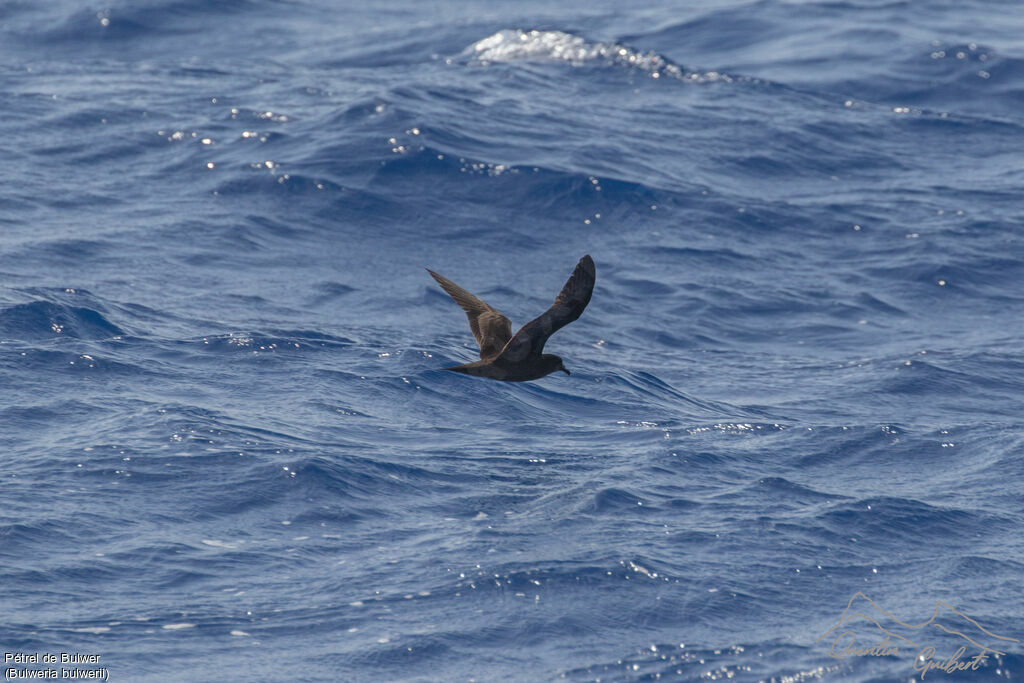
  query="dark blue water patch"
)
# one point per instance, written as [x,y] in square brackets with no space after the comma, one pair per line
[29,416]
[720,30]
[369,479]
[422,651]
[980,565]
[950,77]
[281,183]
[330,201]
[85,27]
[64,515]
[88,366]
[54,418]
[196,426]
[711,259]
[646,289]
[246,344]
[399,48]
[945,379]
[41,530]
[46,320]
[997,371]
[788,494]
[690,663]
[497,184]
[126,27]
[869,303]
[263,486]
[327,292]
[616,502]
[73,251]
[644,384]
[877,519]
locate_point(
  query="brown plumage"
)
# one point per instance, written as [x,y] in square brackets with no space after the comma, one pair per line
[520,358]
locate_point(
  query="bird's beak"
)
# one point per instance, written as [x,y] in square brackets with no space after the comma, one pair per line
[565,371]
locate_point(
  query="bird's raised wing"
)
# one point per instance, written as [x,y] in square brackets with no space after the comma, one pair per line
[568,306]
[491,329]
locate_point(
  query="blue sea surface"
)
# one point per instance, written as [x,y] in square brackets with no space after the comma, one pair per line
[794,428]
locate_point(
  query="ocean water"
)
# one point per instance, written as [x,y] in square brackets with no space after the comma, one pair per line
[793,429]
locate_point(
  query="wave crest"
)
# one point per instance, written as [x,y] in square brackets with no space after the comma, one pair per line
[514,45]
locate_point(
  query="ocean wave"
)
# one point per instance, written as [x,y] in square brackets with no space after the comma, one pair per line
[513,45]
[46,320]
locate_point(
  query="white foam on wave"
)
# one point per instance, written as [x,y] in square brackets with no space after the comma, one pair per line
[513,45]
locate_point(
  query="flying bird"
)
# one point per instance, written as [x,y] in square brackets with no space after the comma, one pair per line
[520,357]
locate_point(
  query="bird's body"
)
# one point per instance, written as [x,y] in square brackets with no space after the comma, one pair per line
[520,357]
[512,372]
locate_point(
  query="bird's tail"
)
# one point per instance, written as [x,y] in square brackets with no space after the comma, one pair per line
[468,368]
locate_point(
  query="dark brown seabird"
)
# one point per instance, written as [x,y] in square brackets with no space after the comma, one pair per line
[519,358]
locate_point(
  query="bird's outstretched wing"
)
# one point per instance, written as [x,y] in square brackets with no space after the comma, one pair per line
[491,329]
[568,306]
